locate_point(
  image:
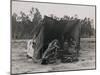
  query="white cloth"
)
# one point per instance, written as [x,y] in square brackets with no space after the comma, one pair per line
[30,49]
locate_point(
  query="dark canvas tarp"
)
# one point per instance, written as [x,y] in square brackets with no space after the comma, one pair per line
[51,29]
[39,44]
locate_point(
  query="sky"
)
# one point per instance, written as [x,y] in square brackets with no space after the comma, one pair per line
[58,10]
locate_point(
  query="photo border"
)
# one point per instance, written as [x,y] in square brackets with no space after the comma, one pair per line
[51,3]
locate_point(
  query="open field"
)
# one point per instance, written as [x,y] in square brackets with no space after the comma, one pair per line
[20,63]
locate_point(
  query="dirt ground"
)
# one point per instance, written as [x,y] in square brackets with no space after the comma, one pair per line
[20,63]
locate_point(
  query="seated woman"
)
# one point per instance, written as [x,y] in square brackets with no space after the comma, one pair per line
[51,52]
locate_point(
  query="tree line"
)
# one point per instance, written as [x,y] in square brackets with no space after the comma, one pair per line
[23,25]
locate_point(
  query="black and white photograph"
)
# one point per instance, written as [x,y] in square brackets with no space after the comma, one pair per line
[52,37]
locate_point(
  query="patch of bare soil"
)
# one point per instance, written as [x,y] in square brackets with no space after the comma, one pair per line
[20,63]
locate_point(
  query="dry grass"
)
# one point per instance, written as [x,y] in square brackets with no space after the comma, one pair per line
[20,64]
